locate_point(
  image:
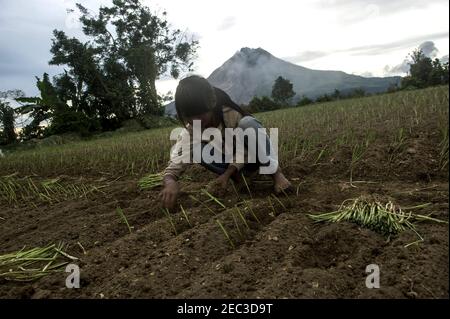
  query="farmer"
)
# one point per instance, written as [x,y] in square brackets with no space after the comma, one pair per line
[196,100]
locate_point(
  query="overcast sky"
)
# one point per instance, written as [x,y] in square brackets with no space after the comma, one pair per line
[370,38]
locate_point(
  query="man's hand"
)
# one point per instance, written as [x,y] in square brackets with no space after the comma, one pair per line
[169,193]
[222,181]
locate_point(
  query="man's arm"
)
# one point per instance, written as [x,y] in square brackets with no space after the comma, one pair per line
[177,165]
[179,156]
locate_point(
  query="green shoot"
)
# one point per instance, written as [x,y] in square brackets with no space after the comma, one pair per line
[241,216]
[225,233]
[124,218]
[252,212]
[213,198]
[279,202]
[246,185]
[185,215]
[236,224]
[202,204]
[169,217]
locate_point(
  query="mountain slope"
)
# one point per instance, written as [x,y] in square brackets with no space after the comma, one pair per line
[252,72]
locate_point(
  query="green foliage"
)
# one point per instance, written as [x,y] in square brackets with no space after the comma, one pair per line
[72,121]
[39,109]
[324,98]
[7,132]
[282,90]
[262,104]
[304,101]
[359,92]
[131,49]
[393,88]
[425,72]
[8,116]
[337,95]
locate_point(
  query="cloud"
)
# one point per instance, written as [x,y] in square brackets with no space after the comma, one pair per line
[25,49]
[351,12]
[428,48]
[376,49]
[365,12]
[306,56]
[383,48]
[399,69]
[227,23]
[367,74]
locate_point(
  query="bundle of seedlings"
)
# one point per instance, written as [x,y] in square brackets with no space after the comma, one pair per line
[370,212]
[154,180]
[150,181]
[32,264]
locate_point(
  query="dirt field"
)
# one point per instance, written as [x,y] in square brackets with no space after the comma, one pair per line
[279,254]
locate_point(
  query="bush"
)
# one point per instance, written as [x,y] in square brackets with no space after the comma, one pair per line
[304,101]
[262,104]
[324,98]
[71,121]
[151,121]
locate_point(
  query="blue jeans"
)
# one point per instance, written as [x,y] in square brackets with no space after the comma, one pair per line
[245,123]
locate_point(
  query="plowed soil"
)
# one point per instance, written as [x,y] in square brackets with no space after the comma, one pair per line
[279,254]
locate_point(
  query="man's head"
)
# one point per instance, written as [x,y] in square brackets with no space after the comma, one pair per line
[195,99]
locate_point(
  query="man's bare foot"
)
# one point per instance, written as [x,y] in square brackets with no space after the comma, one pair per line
[280,182]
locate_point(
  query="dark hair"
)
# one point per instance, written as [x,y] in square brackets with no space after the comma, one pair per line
[195,96]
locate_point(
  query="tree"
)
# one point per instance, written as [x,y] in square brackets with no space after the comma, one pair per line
[8,116]
[7,131]
[445,73]
[111,77]
[282,90]
[420,69]
[425,72]
[11,94]
[51,114]
[439,73]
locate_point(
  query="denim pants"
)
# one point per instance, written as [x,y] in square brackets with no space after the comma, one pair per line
[245,123]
